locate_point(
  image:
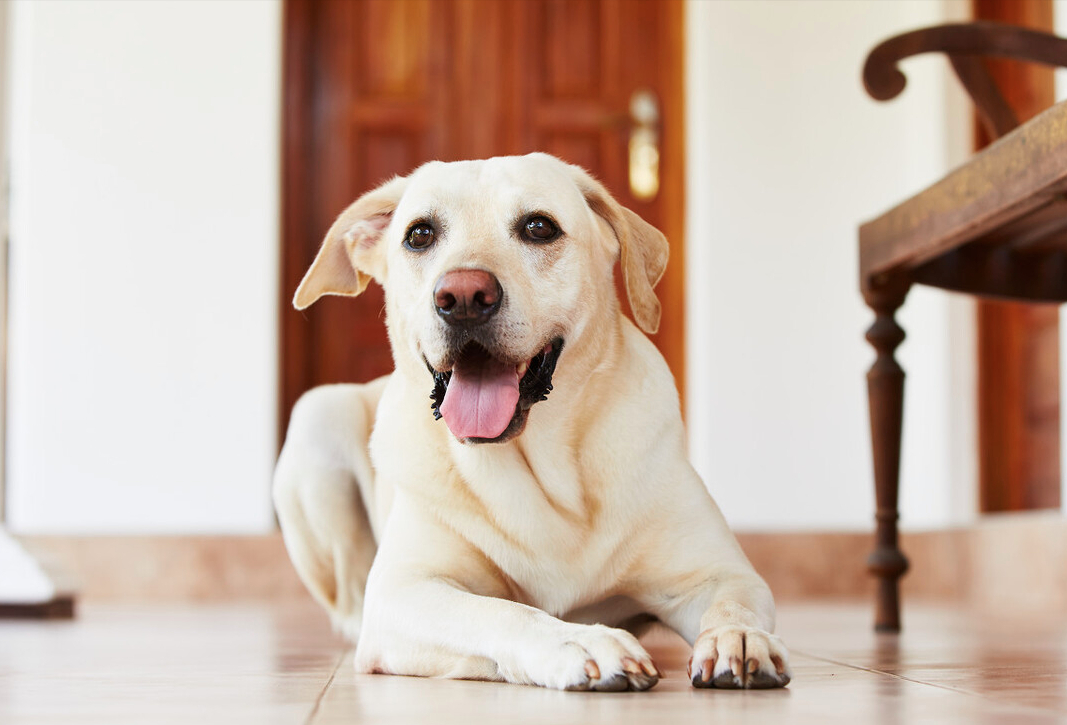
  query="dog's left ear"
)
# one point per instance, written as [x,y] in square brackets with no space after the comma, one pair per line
[643,250]
[351,254]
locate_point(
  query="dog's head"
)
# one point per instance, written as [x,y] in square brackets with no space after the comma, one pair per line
[491,269]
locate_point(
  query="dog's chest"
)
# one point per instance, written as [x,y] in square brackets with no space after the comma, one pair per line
[547,524]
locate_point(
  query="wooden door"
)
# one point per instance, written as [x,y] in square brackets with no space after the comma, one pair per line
[374,88]
[1018,344]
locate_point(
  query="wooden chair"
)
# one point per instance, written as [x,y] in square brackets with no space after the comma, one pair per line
[996,227]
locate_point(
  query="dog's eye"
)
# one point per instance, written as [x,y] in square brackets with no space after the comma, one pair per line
[419,237]
[540,229]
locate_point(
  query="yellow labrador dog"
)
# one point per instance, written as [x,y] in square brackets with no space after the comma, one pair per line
[516,493]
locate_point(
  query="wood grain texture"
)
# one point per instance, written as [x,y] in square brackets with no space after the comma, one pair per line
[1005,185]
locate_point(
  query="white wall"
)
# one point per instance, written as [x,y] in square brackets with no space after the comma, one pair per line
[143,265]
[787,156]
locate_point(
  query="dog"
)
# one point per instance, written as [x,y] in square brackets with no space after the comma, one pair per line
[515,497]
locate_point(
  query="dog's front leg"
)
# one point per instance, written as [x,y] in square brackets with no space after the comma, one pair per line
[436,607]
[705,589]
[735,647]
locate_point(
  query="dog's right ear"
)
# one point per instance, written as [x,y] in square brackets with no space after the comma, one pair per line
[643,250]
[351,255]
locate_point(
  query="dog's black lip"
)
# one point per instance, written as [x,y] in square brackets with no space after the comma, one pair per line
[536,384]
[534,387]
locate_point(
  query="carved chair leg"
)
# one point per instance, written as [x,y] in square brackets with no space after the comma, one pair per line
[885,390]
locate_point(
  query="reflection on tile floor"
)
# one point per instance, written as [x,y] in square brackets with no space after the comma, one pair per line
[258,663]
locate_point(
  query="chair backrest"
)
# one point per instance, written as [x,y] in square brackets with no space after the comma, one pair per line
[965,44]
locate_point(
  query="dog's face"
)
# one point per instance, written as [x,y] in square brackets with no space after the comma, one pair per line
[491,269]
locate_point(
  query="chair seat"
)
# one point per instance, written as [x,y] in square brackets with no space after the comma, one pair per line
[996,226]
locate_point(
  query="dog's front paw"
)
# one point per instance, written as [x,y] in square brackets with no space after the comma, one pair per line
[595,657]
[739,657]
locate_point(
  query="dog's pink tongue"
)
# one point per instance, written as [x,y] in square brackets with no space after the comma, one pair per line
[481,399]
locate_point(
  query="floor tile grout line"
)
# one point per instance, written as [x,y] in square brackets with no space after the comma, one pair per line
[325,688]
[948,688]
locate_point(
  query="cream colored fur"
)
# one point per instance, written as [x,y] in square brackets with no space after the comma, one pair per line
[515,561]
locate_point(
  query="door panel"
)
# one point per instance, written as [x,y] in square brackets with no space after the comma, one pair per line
[376,87]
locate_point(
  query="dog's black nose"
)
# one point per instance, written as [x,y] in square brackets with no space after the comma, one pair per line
[467,297]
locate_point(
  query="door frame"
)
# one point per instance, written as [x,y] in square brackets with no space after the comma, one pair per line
[1019,417]
[298,99]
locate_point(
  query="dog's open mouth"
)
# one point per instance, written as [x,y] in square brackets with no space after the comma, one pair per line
[484,400]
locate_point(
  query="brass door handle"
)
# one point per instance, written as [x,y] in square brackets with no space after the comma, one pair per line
[644,145]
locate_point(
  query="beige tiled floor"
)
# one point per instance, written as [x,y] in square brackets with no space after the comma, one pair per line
[271,664]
